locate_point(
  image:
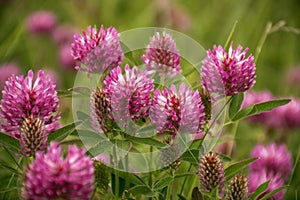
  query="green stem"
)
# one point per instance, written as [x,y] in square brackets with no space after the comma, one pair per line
[234,130]
[185,179]
[190,165]
[230,35]
[262,41]
[116,173]
[150,170]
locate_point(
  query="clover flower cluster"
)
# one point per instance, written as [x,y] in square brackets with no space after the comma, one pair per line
[29,108]
[131,96]
[274,164]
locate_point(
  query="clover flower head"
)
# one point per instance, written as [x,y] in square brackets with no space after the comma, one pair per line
[129,94]
[41,22]
[228,72]
[26,97]
[97,50]
[275,159]
[211,172]
[174,111]
[51,176]
[162,55]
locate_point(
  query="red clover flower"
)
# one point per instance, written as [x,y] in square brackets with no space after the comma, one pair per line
[129,94]
[162,55]
[177,111]
[228,71]
[50,176]
[97,50]
[24,98]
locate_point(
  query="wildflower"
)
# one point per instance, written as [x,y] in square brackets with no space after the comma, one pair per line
[259,177]
[177,111]
[129,94]
[24,98]
[162,56]
[7,70]
[275,159]
[211,172]
[237,188]
[101,111]
[97,50]
[41,22]
[50,176]
[230,72]
[33,136]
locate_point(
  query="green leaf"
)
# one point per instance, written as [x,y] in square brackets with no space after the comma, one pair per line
[259,108]
[147,141]
[235,104]
[243,113]
[141,190]
[270,194]
[191,156]
[259,190]
[234,168]
[63,132]
[10,142]
[162,183]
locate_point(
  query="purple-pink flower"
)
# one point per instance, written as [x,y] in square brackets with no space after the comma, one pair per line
[97,50]
[52,176]
[162,56]
[41,22]
[274,163]
[258,178]
[276,159]
[177,111]
[129,94]
[26,97]
[228,72]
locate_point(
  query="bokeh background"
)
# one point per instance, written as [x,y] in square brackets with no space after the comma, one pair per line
[208,22]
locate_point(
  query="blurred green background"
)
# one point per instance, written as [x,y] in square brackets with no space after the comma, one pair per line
[208,22]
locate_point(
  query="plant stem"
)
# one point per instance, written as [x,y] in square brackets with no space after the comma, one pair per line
[185,179]
[234,130]
[230,35]
[150,169]
[116,173]
[262,40]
